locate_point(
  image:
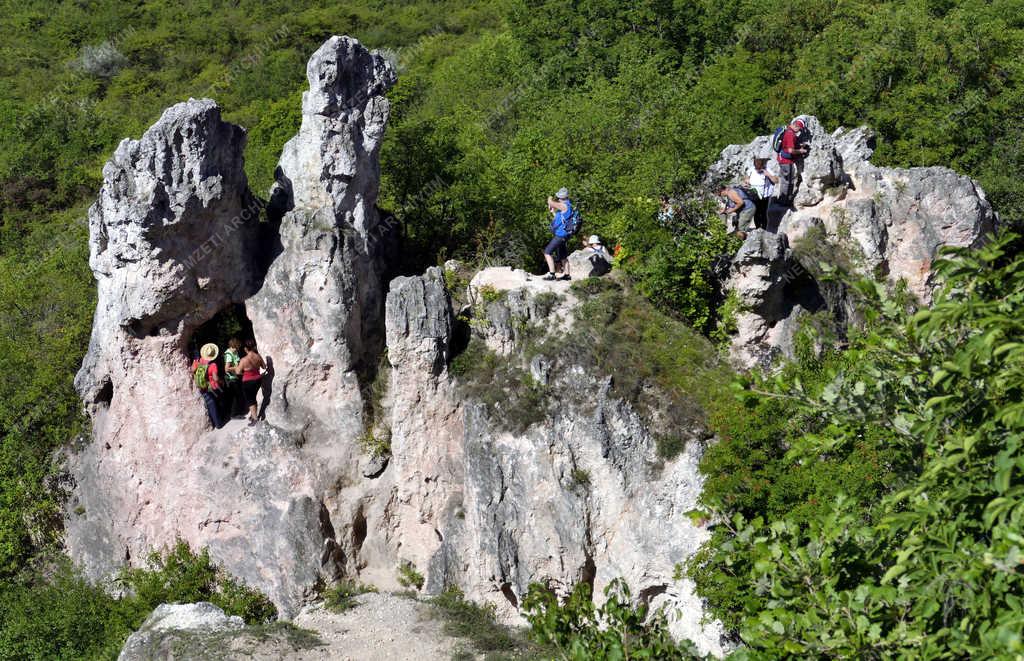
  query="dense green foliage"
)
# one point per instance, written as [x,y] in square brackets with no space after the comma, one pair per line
[889,500]
[501,103]
[341,596]
[58,615]
[617,629]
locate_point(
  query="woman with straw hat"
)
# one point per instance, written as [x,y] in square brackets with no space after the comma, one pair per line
[206,378]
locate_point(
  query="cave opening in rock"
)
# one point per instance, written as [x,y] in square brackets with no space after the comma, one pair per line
[358,531]
[230,322]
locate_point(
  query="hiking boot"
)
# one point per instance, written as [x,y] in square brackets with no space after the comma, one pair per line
[566,277]
[549,276]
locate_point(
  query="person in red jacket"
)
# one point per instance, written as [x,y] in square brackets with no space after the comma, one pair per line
[206,377]
[790,153]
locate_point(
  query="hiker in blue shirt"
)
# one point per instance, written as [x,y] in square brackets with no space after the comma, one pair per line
[556,253]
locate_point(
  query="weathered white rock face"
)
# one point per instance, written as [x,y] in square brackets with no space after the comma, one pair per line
[169,201]
[319,311]
[576,494]
[156,637]
[580,495]
[872,221]
[174,240]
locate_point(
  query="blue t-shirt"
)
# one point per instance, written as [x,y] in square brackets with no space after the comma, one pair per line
[561,219]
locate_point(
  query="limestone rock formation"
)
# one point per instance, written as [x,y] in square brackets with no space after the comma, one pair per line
[175,239]
[852,215]
[508,508]
[168,202]
[372,455]
[589,263]
[321,305]
[170,625]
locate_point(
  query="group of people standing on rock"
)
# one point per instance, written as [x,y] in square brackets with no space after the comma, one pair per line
[763,198]
[565,223]
[231,385]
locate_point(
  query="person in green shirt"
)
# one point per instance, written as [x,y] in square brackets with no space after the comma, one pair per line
[233,405]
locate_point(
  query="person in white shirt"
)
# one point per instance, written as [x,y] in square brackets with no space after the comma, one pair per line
[763,182]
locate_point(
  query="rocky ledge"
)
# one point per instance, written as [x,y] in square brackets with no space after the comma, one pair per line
[848,216]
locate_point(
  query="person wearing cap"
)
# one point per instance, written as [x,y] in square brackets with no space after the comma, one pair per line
[206,376]
[790,152]
[594,245]
[556,253]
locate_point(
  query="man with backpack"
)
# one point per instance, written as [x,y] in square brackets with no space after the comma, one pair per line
[564,223]
[790,148]
[206,378]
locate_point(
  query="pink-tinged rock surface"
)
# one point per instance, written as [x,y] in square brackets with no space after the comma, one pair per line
[372,454]
[175,239]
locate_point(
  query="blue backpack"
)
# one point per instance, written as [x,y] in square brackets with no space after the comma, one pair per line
[566,227]
[777,139]
[573,223]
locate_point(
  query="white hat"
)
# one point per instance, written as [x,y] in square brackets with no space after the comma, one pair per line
[563,193]
[594,239]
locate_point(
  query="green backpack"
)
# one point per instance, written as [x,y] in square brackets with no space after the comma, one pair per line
[199,377]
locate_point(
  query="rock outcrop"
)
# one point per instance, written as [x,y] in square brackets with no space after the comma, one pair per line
[853,216]
[373,454]
[589,263]
[170,626]
[322,303]
[578,495]
[175,238]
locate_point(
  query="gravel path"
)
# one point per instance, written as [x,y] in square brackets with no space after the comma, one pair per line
[382,627]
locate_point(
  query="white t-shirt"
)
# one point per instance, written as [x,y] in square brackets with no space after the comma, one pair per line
[761,183]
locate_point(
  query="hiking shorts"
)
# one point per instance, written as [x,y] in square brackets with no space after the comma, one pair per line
[557,249]
[744,219]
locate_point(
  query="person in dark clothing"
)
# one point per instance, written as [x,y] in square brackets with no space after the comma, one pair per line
[763,183]
[233,383]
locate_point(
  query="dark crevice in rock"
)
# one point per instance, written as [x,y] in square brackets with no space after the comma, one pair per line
[358,531]
[326,527]
[506,590]
[231,321]
[332,558]
[588,573]
[461,335]
[106,392]
[650,592]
